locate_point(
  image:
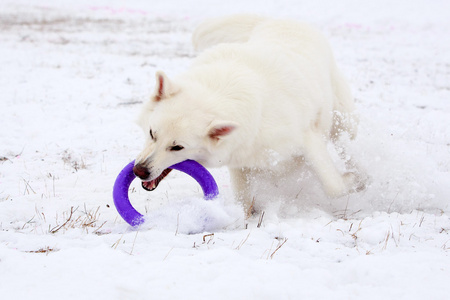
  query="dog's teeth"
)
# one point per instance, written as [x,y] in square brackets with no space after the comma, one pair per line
[149,185]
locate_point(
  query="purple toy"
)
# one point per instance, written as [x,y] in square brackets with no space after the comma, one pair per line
[126,176]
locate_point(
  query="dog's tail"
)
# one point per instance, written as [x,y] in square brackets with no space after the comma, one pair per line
[345,116]
[230,29]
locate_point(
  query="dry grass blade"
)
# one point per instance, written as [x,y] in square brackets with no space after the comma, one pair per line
[97,232]
[278,247]
[261,217]
[386,239]
[90,219]
[134,241]
[421,220]
[165,257]
[84,221]
[28,222]
[27,187]
[178,224]
[243,242]
[116,243]
[45,250]
[354,234]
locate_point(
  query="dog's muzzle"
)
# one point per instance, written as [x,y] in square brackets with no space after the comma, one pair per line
[143,173]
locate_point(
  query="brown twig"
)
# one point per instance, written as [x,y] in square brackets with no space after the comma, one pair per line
[57,228]
[211,235]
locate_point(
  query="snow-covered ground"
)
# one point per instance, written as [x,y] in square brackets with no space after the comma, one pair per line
[73,75]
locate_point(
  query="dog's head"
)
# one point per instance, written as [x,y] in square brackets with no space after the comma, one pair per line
[178,128]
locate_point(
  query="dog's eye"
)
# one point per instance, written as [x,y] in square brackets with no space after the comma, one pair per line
[151,134]
[176,148]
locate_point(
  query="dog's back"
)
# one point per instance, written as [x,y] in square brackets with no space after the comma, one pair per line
[231,29]
[288,36]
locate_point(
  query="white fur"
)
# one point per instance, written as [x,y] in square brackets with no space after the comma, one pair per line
[264,91]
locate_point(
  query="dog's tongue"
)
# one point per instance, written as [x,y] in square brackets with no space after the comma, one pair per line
[153,184]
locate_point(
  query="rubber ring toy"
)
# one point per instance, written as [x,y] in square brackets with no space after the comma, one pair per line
[126,176]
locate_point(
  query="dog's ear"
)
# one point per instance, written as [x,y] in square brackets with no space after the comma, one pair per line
[164,87]
[220,129]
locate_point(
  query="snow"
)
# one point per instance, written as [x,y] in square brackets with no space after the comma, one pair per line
[72,78]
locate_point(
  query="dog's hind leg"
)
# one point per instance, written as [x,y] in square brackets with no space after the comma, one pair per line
[361,179]
[348,123]
[345,118]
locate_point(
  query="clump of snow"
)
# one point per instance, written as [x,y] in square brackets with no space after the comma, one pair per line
[195,215]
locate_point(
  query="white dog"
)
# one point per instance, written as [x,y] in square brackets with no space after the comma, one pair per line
[264,91]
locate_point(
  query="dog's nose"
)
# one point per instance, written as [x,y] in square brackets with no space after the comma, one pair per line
[141,171]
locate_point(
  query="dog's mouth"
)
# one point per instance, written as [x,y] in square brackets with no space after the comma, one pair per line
[153,184]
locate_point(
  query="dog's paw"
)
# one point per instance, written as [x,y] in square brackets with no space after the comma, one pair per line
[338,188]
[355,182]
[251,209]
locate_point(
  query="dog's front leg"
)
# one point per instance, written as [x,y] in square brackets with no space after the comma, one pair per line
[241,183]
